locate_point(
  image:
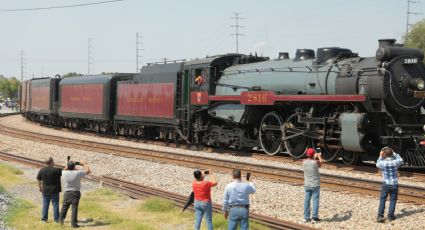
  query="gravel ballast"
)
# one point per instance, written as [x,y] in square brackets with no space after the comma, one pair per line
[5,202]
[337,209]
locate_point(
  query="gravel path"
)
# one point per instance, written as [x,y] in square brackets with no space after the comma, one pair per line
[20,123]
[5,202]
[338,210]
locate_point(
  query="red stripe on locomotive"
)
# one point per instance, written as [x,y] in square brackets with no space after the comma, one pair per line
[40,98]
[82,98]
[146,100]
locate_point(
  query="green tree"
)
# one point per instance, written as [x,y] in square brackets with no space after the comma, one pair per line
[416,37]
[9,86]
[71,74]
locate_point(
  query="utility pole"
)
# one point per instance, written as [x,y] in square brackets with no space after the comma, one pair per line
[90,57]
[410,13]
[139,50]
[22,65]
[237,26]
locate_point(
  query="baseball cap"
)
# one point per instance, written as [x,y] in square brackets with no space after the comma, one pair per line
[310,152]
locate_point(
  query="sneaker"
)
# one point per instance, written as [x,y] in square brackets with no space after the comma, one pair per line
[306,221]
[75,226]
[44,221]
[391,218]
[380,219]
[315,220]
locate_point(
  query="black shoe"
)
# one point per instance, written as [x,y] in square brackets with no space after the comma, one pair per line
[75,226]
[380,219]
[391,218]
[314,220]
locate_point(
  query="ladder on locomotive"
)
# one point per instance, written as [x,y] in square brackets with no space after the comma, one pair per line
[182,112]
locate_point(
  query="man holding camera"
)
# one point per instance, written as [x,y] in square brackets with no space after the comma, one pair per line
[49,184]
[202,192]
[236,201]
[311,167]
[72,184]
[388,162]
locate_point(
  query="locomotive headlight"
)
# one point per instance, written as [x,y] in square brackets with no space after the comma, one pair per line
[420,84]
[423,127]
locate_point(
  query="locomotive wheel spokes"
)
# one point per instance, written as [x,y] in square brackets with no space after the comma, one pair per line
[297,143]
[349,158]
[271,133]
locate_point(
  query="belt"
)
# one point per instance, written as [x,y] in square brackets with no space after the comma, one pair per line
[239,206]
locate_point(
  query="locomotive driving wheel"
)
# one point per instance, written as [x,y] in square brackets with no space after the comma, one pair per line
[330,154]
[349,158]
[296,143]
[271,133]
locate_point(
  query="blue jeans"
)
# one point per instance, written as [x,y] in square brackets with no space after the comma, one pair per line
[201,208]
[309,193]
[238,215]
[55,203]
[385,190]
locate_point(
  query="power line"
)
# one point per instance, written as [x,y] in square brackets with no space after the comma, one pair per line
[237,26]
[60,7]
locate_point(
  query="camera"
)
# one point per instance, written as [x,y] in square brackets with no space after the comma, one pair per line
[206,172]
[68,158]
[248,176]
[77,163]
[318,150]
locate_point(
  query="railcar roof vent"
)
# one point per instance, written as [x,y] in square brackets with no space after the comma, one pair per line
[283,56]
[386,42]
[328,54]
[304,54]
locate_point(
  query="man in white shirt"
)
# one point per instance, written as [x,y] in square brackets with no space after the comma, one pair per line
[72,184]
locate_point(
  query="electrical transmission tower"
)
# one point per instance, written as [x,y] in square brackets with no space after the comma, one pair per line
[237,26]
[90,57]
[23,64]
[410,13]
[139,50]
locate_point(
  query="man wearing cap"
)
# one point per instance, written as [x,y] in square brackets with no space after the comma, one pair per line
[49,184]
[311,167]
[72,184]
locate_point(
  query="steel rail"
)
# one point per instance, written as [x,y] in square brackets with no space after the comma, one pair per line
[407,193]
[140,191]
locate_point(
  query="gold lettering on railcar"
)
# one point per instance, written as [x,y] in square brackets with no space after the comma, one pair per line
[155,100]
[135,100]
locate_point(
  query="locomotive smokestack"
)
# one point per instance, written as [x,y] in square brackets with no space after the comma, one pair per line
[386,42]
[283,56]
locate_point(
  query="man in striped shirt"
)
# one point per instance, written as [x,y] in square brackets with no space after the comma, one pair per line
[388,162]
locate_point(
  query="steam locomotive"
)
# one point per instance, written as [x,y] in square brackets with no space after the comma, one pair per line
[347,105]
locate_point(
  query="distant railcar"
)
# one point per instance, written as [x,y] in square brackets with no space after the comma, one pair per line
[88,102]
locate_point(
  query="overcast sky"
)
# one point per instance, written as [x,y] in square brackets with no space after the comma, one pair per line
[56,41]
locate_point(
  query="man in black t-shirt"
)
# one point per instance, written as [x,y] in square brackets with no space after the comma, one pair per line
[49,184]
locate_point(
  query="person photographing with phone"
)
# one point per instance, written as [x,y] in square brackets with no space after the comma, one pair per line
[236,201]
[202,197]
[311,167]
[72,185]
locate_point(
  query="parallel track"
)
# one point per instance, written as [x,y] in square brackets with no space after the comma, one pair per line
[356,185]
[140,191]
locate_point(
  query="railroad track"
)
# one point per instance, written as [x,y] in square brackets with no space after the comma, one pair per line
[139,191]
[407,193]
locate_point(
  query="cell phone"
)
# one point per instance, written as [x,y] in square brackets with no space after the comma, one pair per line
[318,150]
[248,176]
[206,172]
[77,163]
[68,158]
